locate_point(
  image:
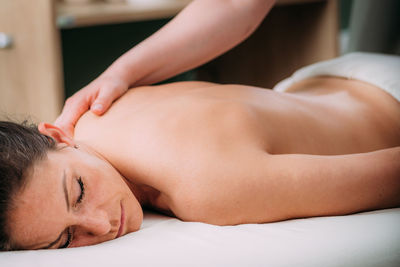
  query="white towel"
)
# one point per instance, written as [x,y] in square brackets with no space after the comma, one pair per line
[380,70]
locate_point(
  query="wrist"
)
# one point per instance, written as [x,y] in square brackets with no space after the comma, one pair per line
[134,65]
[120,74]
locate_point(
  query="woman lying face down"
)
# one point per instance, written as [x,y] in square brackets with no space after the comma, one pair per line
[68,193]
[219,154]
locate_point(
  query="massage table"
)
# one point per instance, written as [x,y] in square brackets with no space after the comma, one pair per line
[362,239]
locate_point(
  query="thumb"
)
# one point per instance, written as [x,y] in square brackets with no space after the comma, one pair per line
[73,109]
[104,99]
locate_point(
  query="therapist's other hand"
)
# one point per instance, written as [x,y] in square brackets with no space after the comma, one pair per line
[97,96]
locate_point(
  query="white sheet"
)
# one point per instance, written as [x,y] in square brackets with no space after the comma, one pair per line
[364,239]
[380,70]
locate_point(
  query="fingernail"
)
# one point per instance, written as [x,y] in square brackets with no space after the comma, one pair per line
[97,107]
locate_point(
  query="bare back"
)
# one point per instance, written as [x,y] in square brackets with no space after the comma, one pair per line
[164,137]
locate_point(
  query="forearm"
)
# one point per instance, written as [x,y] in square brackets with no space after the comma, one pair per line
[308,185]
[202,31]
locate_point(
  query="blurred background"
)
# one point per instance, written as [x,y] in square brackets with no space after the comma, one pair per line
[50,49]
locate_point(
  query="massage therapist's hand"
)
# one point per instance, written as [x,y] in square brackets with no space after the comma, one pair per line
[97,96]
[203,30]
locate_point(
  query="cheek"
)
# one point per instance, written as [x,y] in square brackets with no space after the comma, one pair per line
[106,185]
[36,221]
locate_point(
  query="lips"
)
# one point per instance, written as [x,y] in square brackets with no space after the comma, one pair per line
[122,222]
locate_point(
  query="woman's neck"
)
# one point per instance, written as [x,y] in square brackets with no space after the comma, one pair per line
[146,195]
[143,193]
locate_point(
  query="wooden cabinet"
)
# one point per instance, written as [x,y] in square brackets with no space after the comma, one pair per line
[294,34]
[30,69]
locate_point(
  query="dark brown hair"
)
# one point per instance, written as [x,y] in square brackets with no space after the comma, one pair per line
[21,145]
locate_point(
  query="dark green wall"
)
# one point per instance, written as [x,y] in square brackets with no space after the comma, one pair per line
[345,12]
[88,51]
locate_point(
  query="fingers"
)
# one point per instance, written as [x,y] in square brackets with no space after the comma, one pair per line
[73,109]
[105,98]
[98,96]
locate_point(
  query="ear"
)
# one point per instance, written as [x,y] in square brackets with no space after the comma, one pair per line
[53,131]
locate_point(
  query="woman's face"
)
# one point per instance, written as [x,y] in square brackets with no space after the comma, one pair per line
[73,198]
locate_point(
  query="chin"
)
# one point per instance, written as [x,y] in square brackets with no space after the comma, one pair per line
[135,219]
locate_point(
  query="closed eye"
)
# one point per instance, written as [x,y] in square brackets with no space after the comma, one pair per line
[82,187]
[78,201]
[69,239]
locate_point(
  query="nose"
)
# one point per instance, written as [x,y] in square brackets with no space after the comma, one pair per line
[95,224]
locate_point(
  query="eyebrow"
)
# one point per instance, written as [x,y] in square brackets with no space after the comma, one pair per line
[65,190]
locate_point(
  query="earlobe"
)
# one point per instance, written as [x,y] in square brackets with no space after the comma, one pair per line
[55,132]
